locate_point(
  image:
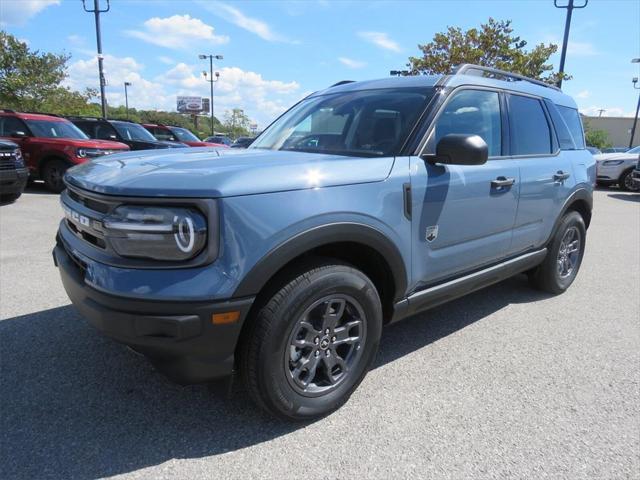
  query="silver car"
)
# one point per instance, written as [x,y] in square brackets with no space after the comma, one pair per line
[617,168]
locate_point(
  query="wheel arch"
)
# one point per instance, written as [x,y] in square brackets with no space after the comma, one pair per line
[580,201]
[362,246]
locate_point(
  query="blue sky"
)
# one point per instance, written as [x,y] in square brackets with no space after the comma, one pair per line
[275,52]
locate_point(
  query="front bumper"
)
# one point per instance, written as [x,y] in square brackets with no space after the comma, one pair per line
[13,181]
[179,338]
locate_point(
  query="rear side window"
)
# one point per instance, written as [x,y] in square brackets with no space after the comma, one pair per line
[11,125]
[530,133]
[572,119]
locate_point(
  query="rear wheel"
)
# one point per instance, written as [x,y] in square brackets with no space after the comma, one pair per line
[9,198]
[53,173]
[564,256]
[313,342]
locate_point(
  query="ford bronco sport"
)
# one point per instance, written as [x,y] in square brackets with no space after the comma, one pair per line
[51,144]
[13,172]
[363,204]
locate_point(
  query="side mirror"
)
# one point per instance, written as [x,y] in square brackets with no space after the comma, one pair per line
[460,149]
[18,134]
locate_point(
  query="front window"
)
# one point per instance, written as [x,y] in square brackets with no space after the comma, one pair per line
[362,123]
[55,129]
[184,135]
[133,131]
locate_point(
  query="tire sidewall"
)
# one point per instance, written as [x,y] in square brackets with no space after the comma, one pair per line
[571,219]
[59,165]
[343,280]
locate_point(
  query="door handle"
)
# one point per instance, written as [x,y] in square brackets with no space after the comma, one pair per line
[501,182]
[560,176]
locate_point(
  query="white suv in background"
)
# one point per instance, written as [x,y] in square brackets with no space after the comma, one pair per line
[616,168]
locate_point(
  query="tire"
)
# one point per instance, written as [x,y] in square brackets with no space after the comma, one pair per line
[52,174]
[293,382]
[10,198]
[626,182]
[564,257]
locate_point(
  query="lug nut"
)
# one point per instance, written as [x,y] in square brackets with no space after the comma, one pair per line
[326,331]
[316,340]
[333,339]
[317,353]
[327,353]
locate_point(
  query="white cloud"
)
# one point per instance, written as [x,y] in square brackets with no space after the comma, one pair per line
[253,25]
[381,40]
[178,32]
[583,94]
[18,13]
[262,99]
[166,60]
[351,63]
[581,49]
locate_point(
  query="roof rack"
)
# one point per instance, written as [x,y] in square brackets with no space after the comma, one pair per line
[342,82]
[489,72]
[89,117]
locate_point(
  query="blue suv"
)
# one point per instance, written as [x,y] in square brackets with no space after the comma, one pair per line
[363,204]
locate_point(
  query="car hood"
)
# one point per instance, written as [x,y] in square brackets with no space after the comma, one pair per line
[214,173]
[616,156]
[81,143]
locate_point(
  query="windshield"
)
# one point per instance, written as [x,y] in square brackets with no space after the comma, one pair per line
[133,131]
[634,150]
[184,134]
[362,123]
[55,129]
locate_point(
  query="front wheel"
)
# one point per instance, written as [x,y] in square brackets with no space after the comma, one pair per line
[53,173]
[312,342]
[626,182]
[564,256]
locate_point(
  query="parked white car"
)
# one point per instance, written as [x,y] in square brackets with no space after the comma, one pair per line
[616,168]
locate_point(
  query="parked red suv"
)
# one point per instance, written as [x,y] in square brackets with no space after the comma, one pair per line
[178,134]
[51,144]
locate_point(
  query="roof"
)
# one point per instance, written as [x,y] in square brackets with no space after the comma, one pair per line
[469,75]
[33,116]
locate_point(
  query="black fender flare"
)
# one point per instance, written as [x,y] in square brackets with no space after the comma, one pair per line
[319,236]
[581,194]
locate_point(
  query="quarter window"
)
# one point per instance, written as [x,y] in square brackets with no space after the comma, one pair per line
[572,119]
[472,112]
[530,133]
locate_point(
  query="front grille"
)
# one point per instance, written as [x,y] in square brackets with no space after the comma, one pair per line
[84,216]
[89,203]
[7,161]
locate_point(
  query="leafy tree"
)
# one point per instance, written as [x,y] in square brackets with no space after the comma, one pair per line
[492,45]
[597,138]
[28,77]
[236,123]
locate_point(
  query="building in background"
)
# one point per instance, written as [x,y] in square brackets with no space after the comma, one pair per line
[618,129]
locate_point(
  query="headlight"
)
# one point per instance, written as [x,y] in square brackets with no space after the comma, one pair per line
[92,152]
[611,163]
[159,233]
[19,160]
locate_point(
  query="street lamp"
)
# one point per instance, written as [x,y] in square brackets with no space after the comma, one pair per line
[210,79]
[635,119]
[567,25]
[126,97]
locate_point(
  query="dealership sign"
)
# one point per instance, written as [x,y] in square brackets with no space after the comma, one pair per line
[189,104]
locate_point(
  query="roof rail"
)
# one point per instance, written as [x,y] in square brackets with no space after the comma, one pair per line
[42,113]
[342,82]
[7,110]
[489,72]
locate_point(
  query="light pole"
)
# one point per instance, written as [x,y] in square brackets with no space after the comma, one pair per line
[635,119]
[96,12]
[210,79]
[126,97]
[567,25]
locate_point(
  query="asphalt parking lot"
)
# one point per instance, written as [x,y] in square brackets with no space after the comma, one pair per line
[505,383]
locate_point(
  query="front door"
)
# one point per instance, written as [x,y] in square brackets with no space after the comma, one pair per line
[463,215]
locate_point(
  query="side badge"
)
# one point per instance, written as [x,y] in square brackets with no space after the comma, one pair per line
[432,233]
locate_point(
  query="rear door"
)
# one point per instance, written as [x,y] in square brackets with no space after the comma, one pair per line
[464,214]
[546,173]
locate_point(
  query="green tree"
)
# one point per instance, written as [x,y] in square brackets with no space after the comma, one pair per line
[236,123]
[492,45]
[30,79]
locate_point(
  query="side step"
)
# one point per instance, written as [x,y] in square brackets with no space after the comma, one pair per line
[444,292]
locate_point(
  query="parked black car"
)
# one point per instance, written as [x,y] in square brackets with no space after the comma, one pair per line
[219,139]
[125,131]
[242,142]
[13,172]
